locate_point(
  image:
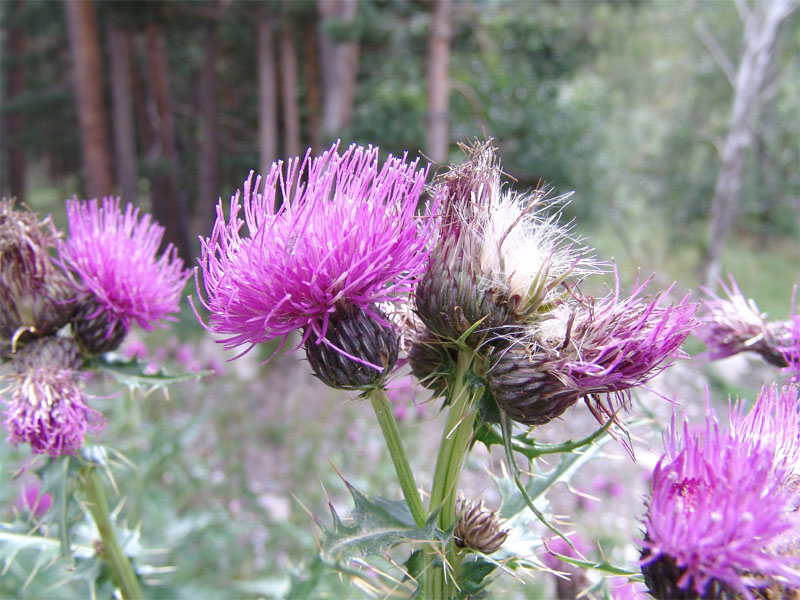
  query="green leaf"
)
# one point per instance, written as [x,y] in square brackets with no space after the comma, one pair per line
[131,373]
[475,577]
[603,566]
[375,525]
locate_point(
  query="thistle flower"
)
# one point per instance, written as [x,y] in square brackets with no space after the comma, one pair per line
[346,239]
[498,259]
[735,325]
[478,528]
[45,403]
[35,297]
[720,512]
[120,277]
[590,349]
[29,501]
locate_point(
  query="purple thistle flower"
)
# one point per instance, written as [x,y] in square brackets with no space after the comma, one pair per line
[347,237]
[30,501]
[720,512]
[46,406]
[735,325]
[115,256]
[593,349]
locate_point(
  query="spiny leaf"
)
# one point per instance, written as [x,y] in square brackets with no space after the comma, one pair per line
[603,566]
[376,524]
[132,373]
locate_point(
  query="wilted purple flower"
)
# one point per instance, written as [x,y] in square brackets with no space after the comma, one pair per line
[30,501]
[733,325]
[44,398]
[720,512]
[115,256]
[346,238]
[592,349]
[499,257]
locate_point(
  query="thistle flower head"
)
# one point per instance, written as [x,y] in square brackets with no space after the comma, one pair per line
[347,235]
[44,398]
[499,258]
[720,511]
[589,349]
[35,297]
[114,255]
[478,528]
[734,324]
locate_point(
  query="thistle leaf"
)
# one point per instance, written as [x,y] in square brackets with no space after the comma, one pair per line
[132,373]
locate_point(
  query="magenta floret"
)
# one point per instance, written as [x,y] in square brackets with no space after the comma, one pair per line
[347,234]
[115,255]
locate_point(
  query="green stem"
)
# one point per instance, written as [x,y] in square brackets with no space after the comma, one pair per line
[452,451]
[112,552]
[383,411]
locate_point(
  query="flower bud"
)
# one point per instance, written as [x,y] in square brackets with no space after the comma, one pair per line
[35,297]
[431,361]
[478,528]
[357,351]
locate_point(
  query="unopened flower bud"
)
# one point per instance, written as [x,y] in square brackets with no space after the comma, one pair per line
[432,362]
[357,352]
[47,353]
[478,528]
[35,297]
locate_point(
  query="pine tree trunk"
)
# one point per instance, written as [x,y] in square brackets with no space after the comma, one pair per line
[267,94]
[168,206]
[291,108]
[761,33]
[119,45]
[208,160]
[14,121]
[438,82]
[87,68]
[339,69]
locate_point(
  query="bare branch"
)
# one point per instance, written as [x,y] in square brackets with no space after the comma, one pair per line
[715,49]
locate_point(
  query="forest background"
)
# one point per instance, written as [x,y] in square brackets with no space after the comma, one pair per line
[677,124]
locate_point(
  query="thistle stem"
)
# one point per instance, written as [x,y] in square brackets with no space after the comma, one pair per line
[386,420]
[449,462]
[112,552]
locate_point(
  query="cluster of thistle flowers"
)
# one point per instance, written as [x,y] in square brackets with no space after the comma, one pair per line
[367,272]
[59,308]
[723,519]
[734,325]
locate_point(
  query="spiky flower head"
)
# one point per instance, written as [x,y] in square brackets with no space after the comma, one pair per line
[592,349]
[734,324]
[44,398]
[346,238]
[499,258]
[478,528]
[721,521]
[35,297]
[119,273]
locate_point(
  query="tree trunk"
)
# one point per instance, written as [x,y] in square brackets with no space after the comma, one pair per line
[291,108]
[311,71]
[340,68]
[208,171]
[267,94]
[760,35]
[87,80]
[168,206]
[438,83]
[119,44]
[14,121]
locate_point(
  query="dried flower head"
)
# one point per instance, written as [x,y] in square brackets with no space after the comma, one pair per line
[347,236]
[733,325]
[592,349]
[478,528]
[499,258]
[44,398]
[120,276]
[35,297]
[720,512]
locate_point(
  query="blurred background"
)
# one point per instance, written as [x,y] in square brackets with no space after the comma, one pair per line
[676,123]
